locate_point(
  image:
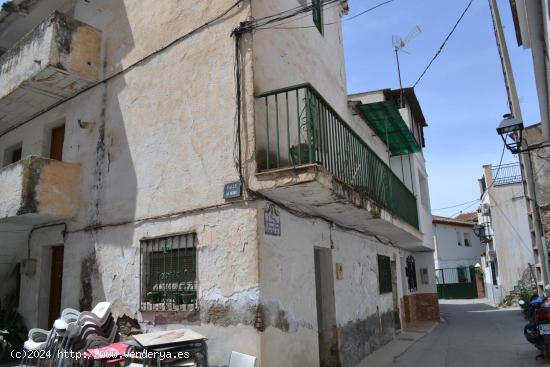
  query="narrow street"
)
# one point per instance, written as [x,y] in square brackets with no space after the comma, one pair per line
[474,335]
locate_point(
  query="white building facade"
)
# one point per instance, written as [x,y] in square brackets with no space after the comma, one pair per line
[456,244]
[193,175]
[506,232]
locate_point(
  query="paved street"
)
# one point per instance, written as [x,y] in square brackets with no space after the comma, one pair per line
[473,335]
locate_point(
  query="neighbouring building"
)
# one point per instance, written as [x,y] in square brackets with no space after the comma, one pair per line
[456,244]
[508,256]
[531,24]
[161,156]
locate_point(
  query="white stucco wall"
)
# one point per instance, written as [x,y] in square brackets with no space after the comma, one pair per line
[511,239]
[159,141]
[449,253]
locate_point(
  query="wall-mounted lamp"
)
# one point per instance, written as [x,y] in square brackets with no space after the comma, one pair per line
[479,230]
[511,131]
[85,124]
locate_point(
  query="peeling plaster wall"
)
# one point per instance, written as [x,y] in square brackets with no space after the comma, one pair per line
[12,190]
[158,139]
[227,277]
[287,283]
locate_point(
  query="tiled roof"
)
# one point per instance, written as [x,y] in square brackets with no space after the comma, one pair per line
[468,217]
[452,221]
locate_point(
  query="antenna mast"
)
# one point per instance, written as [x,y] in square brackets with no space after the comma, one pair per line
[398,45]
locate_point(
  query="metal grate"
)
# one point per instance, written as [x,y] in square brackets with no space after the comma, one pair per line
[169,273]
[506,174]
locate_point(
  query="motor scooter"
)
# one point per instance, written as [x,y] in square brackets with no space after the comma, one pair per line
[537,330]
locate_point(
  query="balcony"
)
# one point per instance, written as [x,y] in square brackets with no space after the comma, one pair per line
[310,159]
[38,190]
[57,59]
[506,174]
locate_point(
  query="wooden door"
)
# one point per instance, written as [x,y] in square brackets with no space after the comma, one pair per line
[395,296]
[58,139]
[56,284]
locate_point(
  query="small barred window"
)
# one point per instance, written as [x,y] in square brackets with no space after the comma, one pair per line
[169,273]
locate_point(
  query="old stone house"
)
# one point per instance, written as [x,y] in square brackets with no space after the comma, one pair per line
[196,175]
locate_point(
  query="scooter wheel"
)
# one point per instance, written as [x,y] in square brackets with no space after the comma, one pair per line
[546,352]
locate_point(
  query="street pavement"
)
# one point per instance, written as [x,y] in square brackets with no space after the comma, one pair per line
[473,335]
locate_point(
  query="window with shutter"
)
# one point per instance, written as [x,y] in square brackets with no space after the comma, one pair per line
[384,274]
[317,10]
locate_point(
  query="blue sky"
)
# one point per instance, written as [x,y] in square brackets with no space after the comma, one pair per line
[462,96]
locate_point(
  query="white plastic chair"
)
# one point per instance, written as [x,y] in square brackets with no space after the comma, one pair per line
[241,360]
[67,316]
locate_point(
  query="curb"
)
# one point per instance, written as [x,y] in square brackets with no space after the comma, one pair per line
[441,321]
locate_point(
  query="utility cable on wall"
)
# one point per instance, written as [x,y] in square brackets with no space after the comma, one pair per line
[330,23]
[127,69]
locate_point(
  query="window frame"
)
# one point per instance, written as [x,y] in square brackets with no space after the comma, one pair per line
[384,274]
[178,293]
[317,15]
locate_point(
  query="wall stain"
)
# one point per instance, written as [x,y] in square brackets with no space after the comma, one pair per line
[88,269]
[360,338]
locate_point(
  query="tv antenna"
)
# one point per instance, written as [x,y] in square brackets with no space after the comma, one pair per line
[399,44]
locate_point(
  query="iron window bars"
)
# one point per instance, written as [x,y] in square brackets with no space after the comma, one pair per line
[169,273]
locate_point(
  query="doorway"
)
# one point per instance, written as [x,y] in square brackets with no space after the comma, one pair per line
[395,296]
[57,141]
[56,284]
[326,309]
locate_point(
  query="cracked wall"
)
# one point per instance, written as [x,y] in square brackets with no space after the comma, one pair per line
[364,318]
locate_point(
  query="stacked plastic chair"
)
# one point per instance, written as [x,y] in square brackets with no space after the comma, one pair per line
[73,332]
[91,330]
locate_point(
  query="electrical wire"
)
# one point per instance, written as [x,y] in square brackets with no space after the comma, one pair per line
[473,202]
[333,23]
[498,169]
[304,16]
[444,43]
[455,206]
[127,69]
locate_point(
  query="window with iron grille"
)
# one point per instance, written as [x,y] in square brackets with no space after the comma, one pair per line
[317,10]
[169,273]
[384,274]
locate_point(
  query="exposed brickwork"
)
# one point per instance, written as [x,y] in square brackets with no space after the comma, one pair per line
[545,214]
[420,307]
[480,287]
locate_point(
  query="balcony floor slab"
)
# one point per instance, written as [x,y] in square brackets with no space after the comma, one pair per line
[313,190]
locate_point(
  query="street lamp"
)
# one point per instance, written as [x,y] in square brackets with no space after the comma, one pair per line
[511,131]
[479,230]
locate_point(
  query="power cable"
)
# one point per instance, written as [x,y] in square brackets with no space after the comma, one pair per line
[473,202]
[455,206]
[332,23]
[444,43]
[127,69]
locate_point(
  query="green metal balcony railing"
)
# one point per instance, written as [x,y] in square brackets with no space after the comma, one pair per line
[299,127]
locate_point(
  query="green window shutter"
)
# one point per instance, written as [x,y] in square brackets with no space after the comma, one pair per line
[317,10]
[384,274]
